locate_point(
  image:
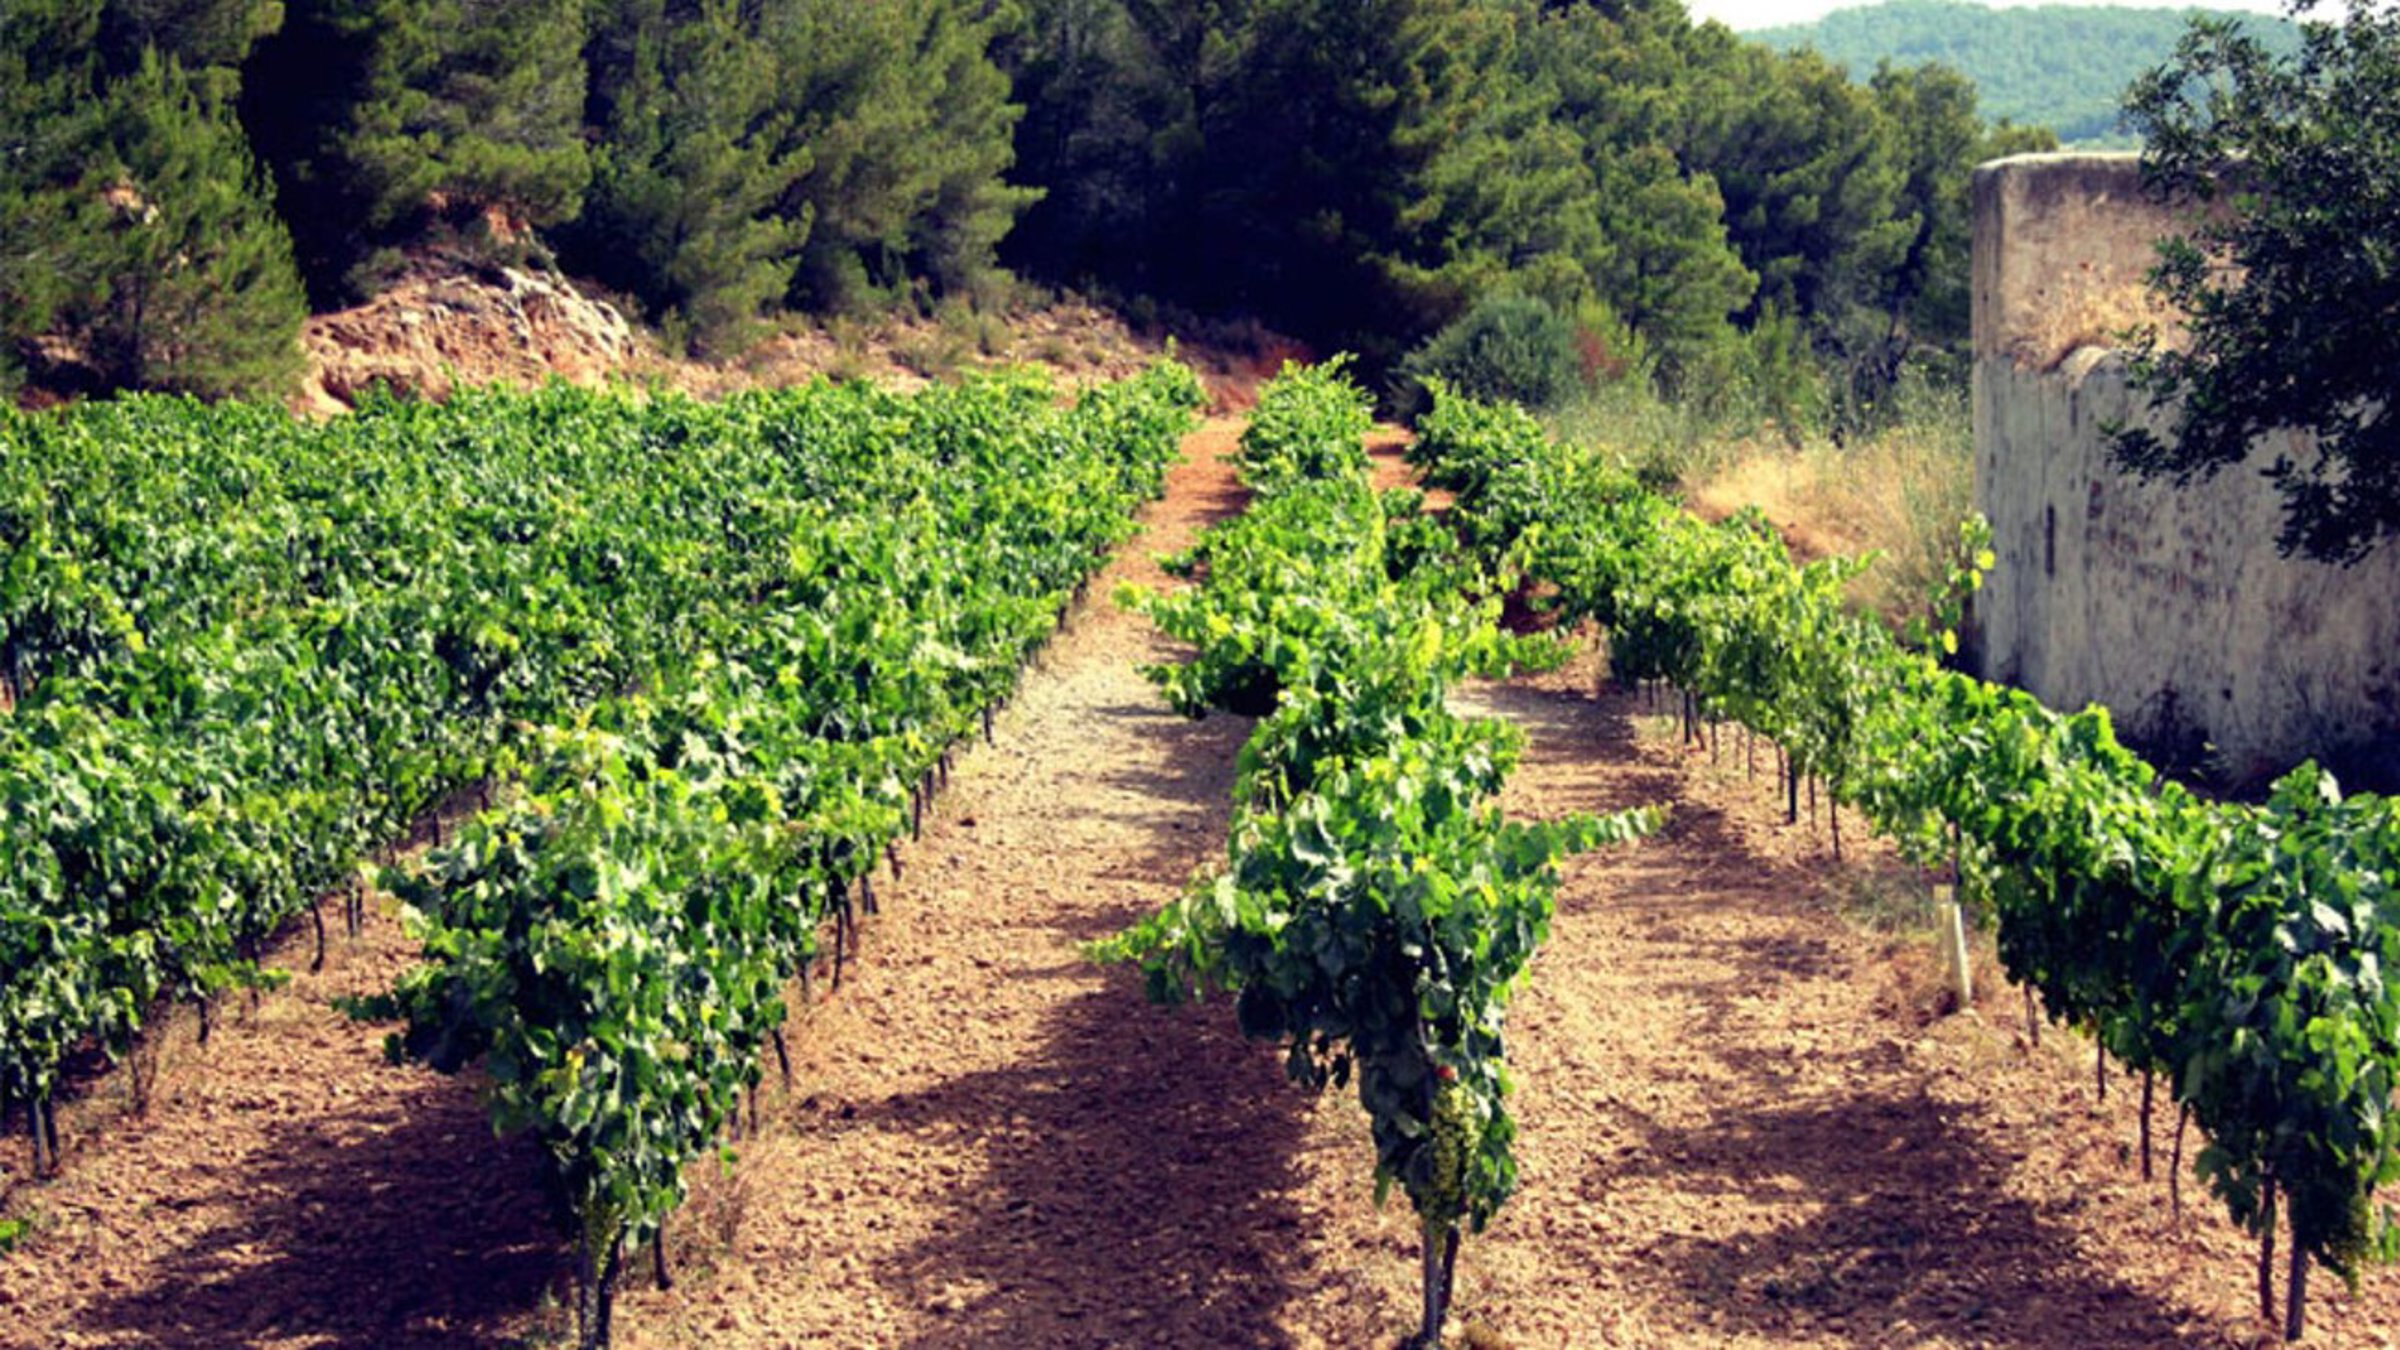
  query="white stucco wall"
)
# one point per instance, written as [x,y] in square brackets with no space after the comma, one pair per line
[2168,605]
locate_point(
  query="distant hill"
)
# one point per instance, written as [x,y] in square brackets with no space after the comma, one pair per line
[2063,67]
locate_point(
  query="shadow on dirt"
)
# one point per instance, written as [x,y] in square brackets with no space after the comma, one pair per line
[1862,1210]
[1136,1166]
[1906,1240]
[428,1233]
[1137,1186]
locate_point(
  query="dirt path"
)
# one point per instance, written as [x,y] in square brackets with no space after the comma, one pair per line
[1743,1122]
[996,1142]
[286,1188]
[1740,1125]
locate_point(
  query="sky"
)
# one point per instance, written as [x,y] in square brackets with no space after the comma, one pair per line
[1770,13]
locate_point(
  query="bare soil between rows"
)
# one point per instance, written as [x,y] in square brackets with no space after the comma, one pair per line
[1747,1118]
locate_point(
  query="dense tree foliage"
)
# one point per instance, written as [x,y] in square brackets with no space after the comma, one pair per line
[2059,66]
[1360,175]
[2293,293]
[899,127]
[137,235]
[380,115]
[689,168]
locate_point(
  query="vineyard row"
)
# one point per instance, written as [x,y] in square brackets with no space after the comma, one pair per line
[1376,910]
[709,656]
[2238,953]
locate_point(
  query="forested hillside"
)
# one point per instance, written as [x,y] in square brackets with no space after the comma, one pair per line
[1611,184]
[2064,67]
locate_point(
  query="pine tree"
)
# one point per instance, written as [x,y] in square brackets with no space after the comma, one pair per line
[1941,138]
[1667,268]
[1810,173]
[1108,124]
[48,122]
[382,116]
[193,286]
[137,236]
[210,39]
[690,168]
[1312,151]
[971,206]
[1502,199]
[905,127]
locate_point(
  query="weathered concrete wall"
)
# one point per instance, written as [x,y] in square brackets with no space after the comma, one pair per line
[2169,605]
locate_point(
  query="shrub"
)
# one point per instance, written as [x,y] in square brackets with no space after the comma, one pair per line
[1507,347]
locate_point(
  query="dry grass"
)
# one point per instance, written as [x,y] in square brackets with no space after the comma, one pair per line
[1901,494]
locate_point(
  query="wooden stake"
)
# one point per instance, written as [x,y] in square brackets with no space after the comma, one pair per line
[1950,926]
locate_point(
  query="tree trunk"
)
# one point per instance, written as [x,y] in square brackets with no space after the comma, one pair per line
[2266,1256]
[841,922]
[596,1291]
[1429,1336]
[41,1145]
[2183,1117]
[2295,1318]
[2149,1082]
[141,1068]
[1449,1268]
[2100,1070]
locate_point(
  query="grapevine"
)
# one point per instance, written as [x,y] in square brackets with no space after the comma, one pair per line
[705,658]
[1376,911]
[2235,952]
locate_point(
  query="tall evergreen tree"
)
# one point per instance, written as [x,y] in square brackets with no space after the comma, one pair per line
[380,115]
[1668,268]
[48,123]
[1312,149]
[194,288]
[971,205]
[1931,110]
[1108,131]
[903,125]
[691,166]
[210,39]
[137,234]
[1810,174]
[1504,198]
